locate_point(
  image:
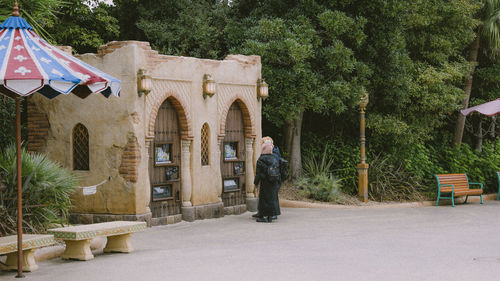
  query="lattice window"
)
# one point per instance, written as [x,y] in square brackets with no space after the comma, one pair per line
[205,144]
[80,148]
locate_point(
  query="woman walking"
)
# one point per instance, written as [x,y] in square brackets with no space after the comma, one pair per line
[267,175]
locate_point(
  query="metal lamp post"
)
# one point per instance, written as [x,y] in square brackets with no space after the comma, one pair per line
[362,166]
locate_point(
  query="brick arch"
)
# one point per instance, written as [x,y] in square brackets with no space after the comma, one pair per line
[183,116]
[247,118]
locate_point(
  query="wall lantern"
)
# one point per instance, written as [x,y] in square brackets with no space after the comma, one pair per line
[262,89]
[144,83]
[208,86]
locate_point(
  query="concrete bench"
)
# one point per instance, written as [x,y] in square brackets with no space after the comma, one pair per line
[77,238]
[31,242]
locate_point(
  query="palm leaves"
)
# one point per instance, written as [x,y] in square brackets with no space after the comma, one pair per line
[46,192]
[491,23]
[40,14]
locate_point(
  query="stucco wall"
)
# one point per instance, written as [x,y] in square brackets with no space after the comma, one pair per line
[113,122]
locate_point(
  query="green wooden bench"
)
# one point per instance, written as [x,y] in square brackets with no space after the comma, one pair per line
[498,176]
[77,238]
[453,185]
[31,242]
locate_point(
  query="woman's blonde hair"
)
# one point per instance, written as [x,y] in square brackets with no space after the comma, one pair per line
[267,139]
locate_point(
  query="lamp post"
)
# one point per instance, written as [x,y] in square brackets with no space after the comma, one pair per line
[362,166]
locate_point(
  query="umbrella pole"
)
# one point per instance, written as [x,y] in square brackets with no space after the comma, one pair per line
[19,192]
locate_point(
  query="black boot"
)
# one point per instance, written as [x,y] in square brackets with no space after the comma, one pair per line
[257,215]
[264,219]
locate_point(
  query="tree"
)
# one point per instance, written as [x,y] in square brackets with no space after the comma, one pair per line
[414,49]
[176,27]
[308,57]
[488,32]
[85,28]
[40,14]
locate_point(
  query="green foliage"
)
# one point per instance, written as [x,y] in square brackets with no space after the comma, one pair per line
[83,28]
[317,182]
[479,166]
[176,27]
[46,192]
[40,14]
[321,187]
[388,180]
[7,121]
[341,158]
[308,55]
[415,49]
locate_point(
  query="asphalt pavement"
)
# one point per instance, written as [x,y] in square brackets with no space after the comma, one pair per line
[396,243]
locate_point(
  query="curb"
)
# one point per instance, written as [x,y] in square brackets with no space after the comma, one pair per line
[302,204]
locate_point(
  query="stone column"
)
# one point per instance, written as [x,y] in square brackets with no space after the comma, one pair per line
[149,143]
[219,157]
[186,186]
[252,202]
[187,209]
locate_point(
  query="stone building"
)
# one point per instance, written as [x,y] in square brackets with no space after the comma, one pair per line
[175,153]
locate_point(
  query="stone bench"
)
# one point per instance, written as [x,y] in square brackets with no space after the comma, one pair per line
[77,238]
[31,242]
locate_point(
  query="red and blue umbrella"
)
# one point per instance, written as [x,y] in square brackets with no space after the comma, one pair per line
[28,65]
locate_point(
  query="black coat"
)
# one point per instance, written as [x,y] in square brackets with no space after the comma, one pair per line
[268,194]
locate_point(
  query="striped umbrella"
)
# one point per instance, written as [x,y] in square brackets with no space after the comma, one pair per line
[28,65]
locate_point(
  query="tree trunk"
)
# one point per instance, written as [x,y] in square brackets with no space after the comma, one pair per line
[293,134]
[459,130]
[479,135]
[288,136]
[493,127]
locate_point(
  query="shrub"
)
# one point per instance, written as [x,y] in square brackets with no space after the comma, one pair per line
[317,182]
[321,187]
[479,166]
[343,157]
[46,192]
[392,182]
[7,118]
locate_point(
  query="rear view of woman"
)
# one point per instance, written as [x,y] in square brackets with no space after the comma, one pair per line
[267,175]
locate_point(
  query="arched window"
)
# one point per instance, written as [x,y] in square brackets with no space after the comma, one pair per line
[205,144]
[80,148]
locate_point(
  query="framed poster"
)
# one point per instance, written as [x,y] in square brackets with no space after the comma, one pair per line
[163,153]
[162,192]
[230,150]
[239,168]
[172,173]
[231,185]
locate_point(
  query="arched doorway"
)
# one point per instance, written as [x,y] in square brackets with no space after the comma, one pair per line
[233,158]
[165,163]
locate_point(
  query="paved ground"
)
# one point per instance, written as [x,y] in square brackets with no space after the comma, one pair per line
[422,243]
